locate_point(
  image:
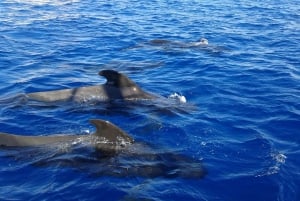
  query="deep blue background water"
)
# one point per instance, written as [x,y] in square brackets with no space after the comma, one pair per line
[242,117]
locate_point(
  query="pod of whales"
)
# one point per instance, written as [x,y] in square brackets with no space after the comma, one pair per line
[109,151]
[117,154]
[118,86]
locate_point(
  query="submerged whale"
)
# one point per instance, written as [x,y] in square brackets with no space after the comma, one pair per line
[118,86]
[202,42]
[173,45]
[109,151]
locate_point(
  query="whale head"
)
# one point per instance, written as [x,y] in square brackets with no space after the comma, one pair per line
[202,41]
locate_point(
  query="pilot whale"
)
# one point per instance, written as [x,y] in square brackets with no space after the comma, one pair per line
[108,138]
[170,45]
[109,151]
[202,42]
[118,86]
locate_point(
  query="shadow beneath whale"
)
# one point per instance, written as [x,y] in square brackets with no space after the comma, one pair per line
[171,108]
[128,163]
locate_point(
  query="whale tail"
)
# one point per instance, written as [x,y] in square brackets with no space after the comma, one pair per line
[117,79]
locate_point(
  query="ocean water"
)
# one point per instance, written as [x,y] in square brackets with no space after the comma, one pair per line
[241,121]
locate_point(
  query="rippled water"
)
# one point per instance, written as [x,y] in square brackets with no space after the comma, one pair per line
[242,116]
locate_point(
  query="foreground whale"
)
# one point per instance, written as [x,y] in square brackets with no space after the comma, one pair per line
[118,86]
[109,151]
[108,138]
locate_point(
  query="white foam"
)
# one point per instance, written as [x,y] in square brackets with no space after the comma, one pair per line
[279,159]
[179,98]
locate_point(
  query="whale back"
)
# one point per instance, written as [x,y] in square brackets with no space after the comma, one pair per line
[109,138]
[117,79]
[118,86]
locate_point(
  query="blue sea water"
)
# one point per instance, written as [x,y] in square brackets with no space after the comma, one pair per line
[241,119]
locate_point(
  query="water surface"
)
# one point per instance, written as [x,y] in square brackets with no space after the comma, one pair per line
[241,119]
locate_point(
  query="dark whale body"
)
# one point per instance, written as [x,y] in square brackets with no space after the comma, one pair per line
[109,151]
[106,138]
[161,42]
[118,86]
[201,44]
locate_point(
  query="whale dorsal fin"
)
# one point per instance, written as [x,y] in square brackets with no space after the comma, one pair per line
[117,79]
[110,132]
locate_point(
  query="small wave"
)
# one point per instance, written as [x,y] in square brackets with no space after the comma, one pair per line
[50,2]
[278,160]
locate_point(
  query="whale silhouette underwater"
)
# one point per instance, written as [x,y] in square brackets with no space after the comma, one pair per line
[109,151]
[202,42]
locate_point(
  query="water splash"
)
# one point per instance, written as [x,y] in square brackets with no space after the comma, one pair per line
[278,160]
[178,97]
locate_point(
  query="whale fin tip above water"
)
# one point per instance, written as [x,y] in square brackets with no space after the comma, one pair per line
[110,132]
[116,79]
